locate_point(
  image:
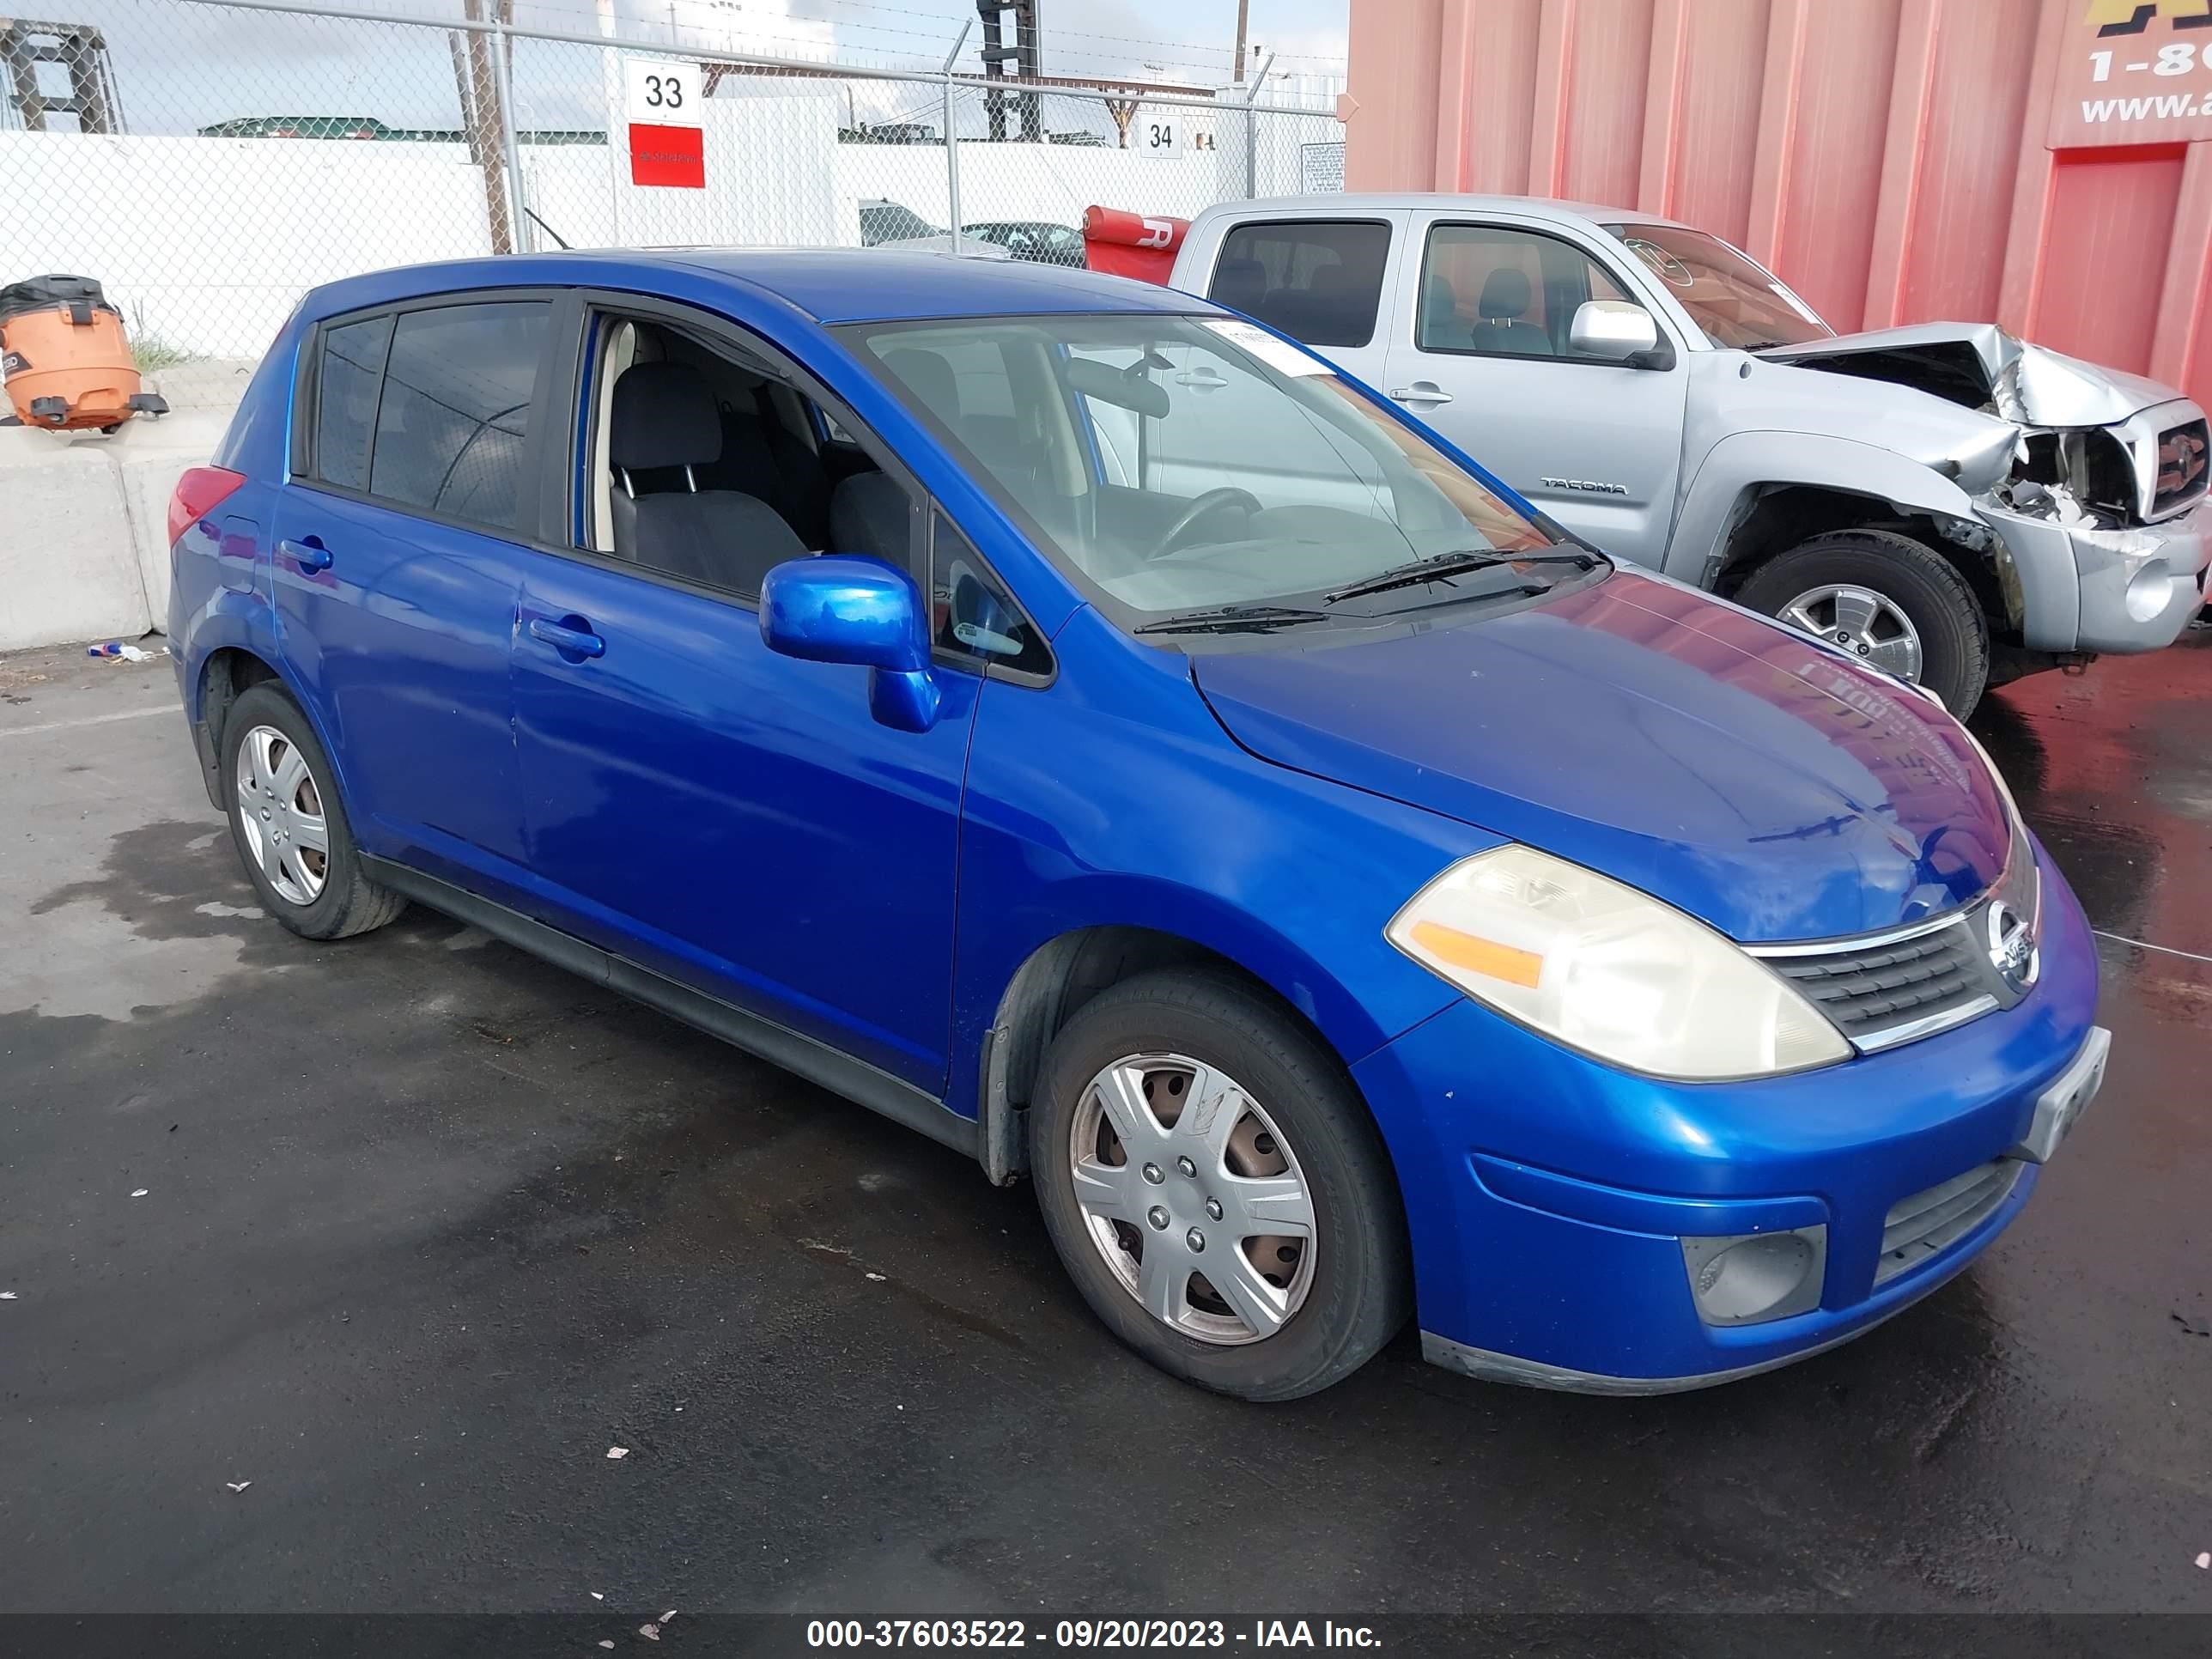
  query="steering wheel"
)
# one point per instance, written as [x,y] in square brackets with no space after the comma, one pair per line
[1212,502]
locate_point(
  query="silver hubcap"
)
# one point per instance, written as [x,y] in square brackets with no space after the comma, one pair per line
[281,808]
[1862,621]
[1193,1197]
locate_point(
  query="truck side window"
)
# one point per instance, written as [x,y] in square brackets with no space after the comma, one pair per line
[1319,281]
[1490,291]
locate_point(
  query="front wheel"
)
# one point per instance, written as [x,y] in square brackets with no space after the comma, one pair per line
[1889,601]
[1216,1188]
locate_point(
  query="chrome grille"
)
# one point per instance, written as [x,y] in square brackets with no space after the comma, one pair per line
[1931,1222]
[1894,989]
[2181,462]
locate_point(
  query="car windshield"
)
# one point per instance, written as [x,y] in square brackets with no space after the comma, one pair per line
[1736,300]
[1179,465]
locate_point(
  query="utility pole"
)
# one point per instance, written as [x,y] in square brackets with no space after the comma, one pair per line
[1243,16]
[485,116]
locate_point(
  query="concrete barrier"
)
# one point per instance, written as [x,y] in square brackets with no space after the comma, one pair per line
[86,552]
[68,565]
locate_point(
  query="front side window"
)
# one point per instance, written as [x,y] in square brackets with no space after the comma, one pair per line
[1318,281]
[1174,463]
[346,378]
[1736,300]
[1494,291]
[455,410]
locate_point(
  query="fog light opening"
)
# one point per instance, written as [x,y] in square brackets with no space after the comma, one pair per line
[1743,1278]
[2149,592]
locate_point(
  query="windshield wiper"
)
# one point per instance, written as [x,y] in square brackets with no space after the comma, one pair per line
[1453,564]
[1228,618]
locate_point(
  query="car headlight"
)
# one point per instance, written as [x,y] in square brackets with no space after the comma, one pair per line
[2019,885]
[1605,968]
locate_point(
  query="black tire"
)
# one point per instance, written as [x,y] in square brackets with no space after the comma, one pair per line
[1360,1288]
[1954,636]
[349,902]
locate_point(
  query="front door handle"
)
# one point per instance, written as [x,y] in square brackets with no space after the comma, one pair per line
[308,553]
[1421,391]
[572,636]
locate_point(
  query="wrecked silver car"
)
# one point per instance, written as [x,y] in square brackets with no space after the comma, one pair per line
[1946,502]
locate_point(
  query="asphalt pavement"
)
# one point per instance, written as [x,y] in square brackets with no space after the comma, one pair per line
[336,1276]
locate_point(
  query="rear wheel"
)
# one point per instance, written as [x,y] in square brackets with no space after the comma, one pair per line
[1886,600]
[1216,1188]
[289,826]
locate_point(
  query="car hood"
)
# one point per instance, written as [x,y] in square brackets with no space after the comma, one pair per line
[1740,771]
[1980,365]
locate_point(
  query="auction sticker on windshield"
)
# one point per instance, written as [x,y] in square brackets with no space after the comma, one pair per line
[1278,355]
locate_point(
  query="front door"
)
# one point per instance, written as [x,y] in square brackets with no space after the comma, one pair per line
[1478,349]
[731,817]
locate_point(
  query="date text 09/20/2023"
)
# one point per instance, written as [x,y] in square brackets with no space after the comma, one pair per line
[1123,1633]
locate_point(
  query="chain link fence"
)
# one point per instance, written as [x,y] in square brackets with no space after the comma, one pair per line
[210,160]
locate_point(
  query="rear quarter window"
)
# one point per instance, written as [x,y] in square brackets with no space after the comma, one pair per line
[347,375]
[1319,281]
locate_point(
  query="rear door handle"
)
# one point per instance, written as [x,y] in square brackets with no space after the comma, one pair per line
[308,553]
[1421,391]
[570,641]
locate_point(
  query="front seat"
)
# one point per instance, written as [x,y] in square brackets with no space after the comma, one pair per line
[869,514]
[1440,323]
[663,417]
[1504,325]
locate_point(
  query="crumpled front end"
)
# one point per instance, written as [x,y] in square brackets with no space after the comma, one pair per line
[2102,509]
[2110,529]
[2087,588]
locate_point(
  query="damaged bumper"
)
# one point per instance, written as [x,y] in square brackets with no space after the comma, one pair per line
[2087,589]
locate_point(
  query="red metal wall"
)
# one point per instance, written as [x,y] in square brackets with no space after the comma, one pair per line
[2047,163]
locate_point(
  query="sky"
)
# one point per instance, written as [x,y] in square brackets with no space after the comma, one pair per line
[180,64]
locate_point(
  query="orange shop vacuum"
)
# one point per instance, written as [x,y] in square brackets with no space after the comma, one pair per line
[67,361]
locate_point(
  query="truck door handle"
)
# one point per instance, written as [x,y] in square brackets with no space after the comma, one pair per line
[1421,391]
[308,553]
[572,636]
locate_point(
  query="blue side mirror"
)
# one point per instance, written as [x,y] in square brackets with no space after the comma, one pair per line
[857,611]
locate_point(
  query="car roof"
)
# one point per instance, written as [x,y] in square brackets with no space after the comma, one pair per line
[1337,203]
[832,285]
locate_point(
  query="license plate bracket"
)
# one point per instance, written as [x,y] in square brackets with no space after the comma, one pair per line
[2059,1107]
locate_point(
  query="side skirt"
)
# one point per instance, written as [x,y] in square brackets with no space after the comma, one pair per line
[815,1061]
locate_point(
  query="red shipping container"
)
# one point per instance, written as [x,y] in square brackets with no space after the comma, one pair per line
[2046,164]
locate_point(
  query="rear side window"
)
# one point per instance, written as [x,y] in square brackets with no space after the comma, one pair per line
[455,409]
[1318,281]
[346,377]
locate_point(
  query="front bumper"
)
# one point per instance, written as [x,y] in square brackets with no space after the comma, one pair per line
[2106,590]
[1547,1194]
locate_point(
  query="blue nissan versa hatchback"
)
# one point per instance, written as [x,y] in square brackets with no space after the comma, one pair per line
[1079,723]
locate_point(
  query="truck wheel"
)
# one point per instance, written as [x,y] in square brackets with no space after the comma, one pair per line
[1215,1186]
[289,826]
[1886,600]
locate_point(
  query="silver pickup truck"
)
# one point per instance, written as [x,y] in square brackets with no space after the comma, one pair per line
[1946,500]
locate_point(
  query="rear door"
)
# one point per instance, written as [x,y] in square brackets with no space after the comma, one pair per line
[397,564]
[1326,282]
[1478,349]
